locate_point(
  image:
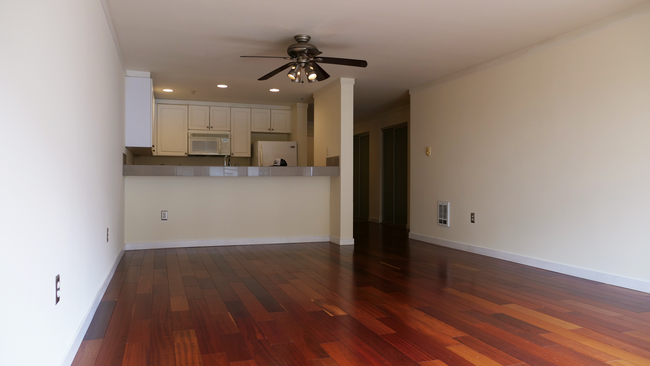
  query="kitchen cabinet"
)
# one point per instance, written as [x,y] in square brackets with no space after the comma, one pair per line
[139,121]
[220,118]
[260,120]
[280,121]
[171,130]
[206,118]
[240,132]
[271,120]
[199,118]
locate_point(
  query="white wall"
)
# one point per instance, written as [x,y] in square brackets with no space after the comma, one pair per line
[373,125]
[550,151]
[218,208]
[333,136]
[62,101]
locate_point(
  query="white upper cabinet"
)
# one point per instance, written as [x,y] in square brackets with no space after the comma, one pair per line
[171,130]
[271,120]
[138,112]
[220,118]
[240,132]
[280,121]
[199,118]
[260,120]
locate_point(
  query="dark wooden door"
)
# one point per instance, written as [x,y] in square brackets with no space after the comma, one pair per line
[361,176]
[395,175]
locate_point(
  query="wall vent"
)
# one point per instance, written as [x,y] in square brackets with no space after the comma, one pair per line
[443,213]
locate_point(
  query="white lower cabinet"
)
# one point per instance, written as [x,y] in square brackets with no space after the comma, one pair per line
[240,132]
[171,130]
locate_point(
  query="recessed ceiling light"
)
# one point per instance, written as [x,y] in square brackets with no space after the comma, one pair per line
[222,86]
[168,90]
[274,90]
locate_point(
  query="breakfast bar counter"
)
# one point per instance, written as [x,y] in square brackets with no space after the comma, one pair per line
[230,171]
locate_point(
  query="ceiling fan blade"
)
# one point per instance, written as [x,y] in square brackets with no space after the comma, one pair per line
[284,57]
[276,71]
[342,61]
[320,73]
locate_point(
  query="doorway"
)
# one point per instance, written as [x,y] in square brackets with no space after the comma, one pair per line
[395,175]
[361,176]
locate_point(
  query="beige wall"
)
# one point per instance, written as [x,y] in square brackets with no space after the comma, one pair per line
[310,143]
[63,89]
[327,123]
[550,151]
[333,132]
[299,131]
[209,208]
[373,125]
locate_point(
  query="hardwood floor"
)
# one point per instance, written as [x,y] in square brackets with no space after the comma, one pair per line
[386,301]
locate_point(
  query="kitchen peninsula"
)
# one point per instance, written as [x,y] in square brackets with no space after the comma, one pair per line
[206,204]
[209,206]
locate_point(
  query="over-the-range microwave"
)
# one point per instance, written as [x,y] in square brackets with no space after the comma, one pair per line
[208,143]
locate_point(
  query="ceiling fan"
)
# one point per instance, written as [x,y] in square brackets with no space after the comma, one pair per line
[305,62]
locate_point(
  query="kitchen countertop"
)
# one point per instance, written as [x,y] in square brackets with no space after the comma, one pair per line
[229,171]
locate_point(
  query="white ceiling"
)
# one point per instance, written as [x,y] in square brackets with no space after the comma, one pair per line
[195,44]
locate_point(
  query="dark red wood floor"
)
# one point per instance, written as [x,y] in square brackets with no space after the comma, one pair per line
[386,301]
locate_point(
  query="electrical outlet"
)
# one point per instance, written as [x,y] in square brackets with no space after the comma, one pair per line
[471,217]
[107,235]
[163,215]
[428,152]
[57,288]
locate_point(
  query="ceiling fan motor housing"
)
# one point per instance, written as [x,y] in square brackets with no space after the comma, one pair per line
[302,47]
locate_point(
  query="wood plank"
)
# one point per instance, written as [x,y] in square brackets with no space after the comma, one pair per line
[489,351]
[579,347]
[87,353]
[375,341]
[235,346]
[216,359]
[473,356]
[99,324]
[186,348]
[342,355]
[112,350]
[135,355]
[264,354]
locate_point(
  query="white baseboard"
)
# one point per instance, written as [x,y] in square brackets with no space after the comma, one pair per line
[341,241]
[83,328]
[225,242]
[588,274]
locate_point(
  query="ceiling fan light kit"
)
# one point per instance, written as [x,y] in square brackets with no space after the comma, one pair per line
[304,61]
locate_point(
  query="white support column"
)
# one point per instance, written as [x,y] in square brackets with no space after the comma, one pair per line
[333,136]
